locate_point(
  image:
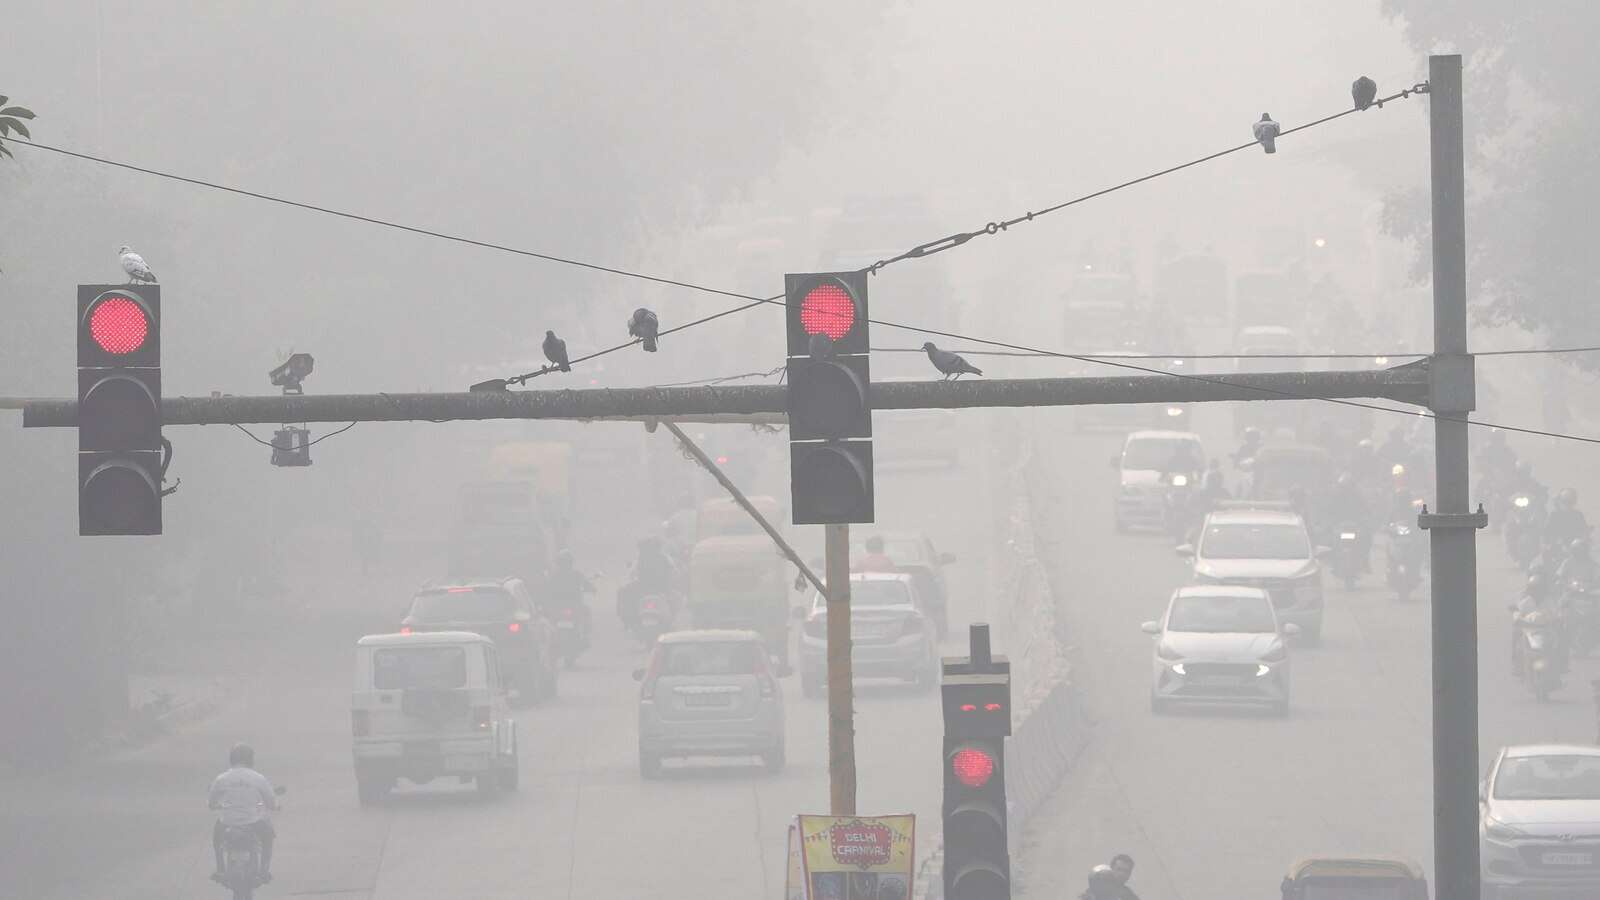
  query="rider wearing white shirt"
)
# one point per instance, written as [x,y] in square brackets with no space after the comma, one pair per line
[243,798]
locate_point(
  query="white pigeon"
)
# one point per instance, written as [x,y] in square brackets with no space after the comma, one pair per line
[1266,133]
[135,266]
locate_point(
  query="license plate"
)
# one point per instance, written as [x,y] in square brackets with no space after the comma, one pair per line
[1567,859]
[1214,680]
[708,700]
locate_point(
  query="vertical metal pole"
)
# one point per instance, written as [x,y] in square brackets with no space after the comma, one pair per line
[841,693]
[1454,551]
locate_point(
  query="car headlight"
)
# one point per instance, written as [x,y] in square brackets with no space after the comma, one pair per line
[1165,651]
[1520,502]
[1347,535]
[1180,480]
[1178,668]
[1174,411]
[1499,831]
[1262,669]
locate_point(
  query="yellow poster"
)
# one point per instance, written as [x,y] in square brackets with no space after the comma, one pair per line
[858,857]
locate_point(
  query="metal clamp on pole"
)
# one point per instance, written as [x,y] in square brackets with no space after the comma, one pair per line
[1428,521]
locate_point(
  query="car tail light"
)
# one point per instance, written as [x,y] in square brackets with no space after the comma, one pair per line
[360,723]
[566,612]
[482,715]
[405,629]
[514,627]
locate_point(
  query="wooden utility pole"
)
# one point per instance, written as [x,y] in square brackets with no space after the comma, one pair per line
[841,683]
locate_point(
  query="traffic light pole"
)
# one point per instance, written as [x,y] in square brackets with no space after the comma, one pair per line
[1452,527]
[841,678]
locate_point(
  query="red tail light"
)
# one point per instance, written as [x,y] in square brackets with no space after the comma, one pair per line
[360,723]
[514,627]
[405,629]
[482,716]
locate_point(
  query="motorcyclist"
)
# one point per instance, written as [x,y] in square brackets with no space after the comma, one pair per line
[566,587]
[1396,449]
[1497,459]
[875,559]
[243,798]
[653,572]
[1536,597]
[1579,566]
[1250,447]
[1348,506]
[1524,482]
[1103,884]
[1566,522]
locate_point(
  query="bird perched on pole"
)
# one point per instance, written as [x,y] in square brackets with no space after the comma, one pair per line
[951,364]
[1266,132]
[1364,91]
[645,326]
[135,266]
[555,350]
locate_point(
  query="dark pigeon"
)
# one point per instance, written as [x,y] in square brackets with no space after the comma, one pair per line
[951,364]
[1266,131]
[644,325]
[555,350]
[1364,91]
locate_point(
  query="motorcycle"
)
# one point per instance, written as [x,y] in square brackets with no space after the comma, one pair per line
[241,859]
[1522,531]
[1538,640]
[572,633]
[1406,553]
[1347,562]
[1178,502]
[654,618]
[1581,607]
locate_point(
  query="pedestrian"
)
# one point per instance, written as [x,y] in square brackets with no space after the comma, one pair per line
[1103,884]
[1122,868]
[875,560]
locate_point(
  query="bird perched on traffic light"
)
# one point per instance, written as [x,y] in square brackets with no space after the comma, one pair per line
[951,364]
[644,325]
[1364,91]
[555,350]
[1266,132]
[134,265]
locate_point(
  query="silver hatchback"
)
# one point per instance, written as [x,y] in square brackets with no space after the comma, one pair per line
[709,693]
[1540,825]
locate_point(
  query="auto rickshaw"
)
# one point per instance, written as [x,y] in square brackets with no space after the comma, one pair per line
[1355,879]
[739,581]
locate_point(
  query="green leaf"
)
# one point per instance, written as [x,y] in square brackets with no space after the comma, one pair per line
[5,126]
[17,111]
[20,128]
[3,99]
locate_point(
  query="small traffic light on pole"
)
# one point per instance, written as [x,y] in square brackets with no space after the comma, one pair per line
[976,694]
[830,414]
[119,409]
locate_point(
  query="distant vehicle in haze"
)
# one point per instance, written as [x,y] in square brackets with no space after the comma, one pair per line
[499,526]
[892,634]
[913,554]
[1152,466]
[429,706]
[1220,644]
[709,693]
[1354,878]
[504,611]
[741,581]
[1265,548]
[1194,288]
[1539,825]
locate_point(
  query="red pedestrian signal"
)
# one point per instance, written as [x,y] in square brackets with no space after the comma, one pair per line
[972,767]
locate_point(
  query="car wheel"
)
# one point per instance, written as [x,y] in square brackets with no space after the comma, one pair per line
[775,760]
[370,790]
[649,764]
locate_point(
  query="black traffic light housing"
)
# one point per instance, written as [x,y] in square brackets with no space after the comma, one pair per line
[829,405]
[119,409]
[976,694]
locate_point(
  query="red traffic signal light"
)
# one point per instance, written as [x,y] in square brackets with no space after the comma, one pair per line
[118,324]
[828,309]
[972,766]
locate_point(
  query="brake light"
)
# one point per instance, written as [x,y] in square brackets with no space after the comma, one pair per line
[481,715]
[566,613]
[458,590]
[360,723]
[514,627]
[405,629]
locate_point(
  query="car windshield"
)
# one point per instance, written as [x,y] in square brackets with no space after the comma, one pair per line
[461,605]
[1163,454]
[868,594]
[903,552]
[428,668]
[1219,614]
[1255,541]
[1553,777]
[689,660]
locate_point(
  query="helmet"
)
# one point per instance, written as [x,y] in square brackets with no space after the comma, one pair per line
[242,755]
[1102,875]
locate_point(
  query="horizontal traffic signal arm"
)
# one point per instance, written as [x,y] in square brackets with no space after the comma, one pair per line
[1404,384]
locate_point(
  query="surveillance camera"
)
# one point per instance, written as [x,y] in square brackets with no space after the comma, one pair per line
[294,370]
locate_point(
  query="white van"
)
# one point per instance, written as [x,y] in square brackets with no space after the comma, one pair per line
[429,706]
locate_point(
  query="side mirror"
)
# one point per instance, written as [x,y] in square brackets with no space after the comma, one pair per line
[638,674]
[1290,629]
[1150,627]
[946,559]
[1322,551]
[1184,550]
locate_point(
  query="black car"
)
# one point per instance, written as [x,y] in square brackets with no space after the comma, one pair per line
[502,610]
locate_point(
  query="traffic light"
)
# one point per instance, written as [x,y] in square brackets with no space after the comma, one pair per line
[119,409]
[976,694]
[830,413]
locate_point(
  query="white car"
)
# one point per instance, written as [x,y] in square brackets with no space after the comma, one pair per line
[892,634]
[1539,829]
[1220,644]
[1265,548]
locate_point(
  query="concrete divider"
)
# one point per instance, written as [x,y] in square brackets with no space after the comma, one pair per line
[1047,728]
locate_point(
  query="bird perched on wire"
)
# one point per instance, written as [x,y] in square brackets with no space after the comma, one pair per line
[1364,91]
[555,350]
[951,364]
[645,326]
[1266,132]
[135,266]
